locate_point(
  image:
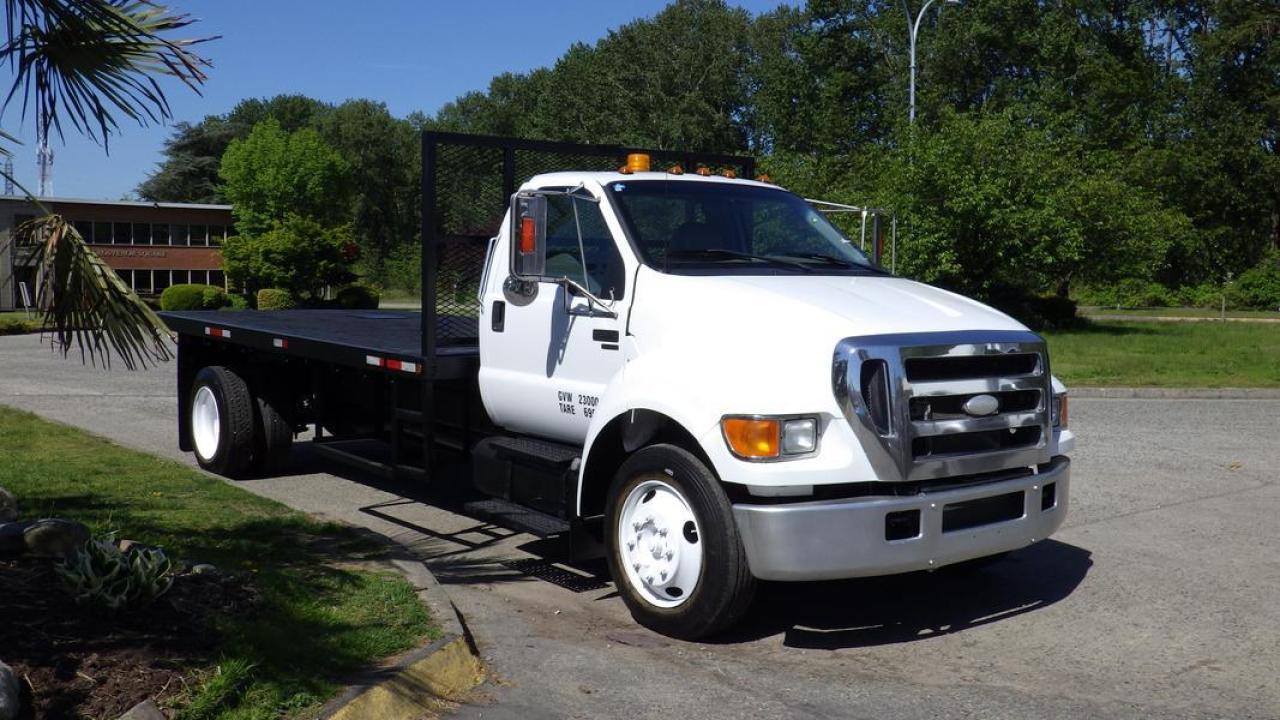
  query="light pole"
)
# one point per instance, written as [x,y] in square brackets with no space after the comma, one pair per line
[913,29]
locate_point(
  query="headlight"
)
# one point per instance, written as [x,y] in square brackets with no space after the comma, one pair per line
[1059,411]
[756,437]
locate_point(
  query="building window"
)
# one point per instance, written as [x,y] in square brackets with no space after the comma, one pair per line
[217,278]
[160,234]
[217,233]
[141,234]
[142,282]
[18,220]
[85,228]
[198,236]
[127,277]
[121,233]
[160,279]
[177,234]
[102,233]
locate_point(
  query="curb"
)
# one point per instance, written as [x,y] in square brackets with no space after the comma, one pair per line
[425,681]
[1141,393]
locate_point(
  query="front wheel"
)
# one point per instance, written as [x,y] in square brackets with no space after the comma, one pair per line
[674,549]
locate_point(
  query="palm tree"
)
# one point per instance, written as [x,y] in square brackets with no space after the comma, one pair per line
[87,63]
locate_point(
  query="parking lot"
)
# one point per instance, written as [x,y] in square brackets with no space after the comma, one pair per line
[1157,599]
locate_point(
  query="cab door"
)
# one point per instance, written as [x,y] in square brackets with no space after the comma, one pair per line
[547,354]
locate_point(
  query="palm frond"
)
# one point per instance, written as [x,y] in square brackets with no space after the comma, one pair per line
[86,305]
[92,61]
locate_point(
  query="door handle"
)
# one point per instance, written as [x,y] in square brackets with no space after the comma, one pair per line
[499,319]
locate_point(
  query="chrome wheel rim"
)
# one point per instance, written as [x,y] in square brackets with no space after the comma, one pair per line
[659,543]
[206,426]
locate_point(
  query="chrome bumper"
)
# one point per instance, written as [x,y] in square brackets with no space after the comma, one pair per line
[846,538]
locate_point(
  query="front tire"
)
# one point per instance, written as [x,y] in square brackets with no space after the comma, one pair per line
[673,546]
[221,421]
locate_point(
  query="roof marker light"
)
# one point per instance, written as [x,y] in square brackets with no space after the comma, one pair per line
[638,162]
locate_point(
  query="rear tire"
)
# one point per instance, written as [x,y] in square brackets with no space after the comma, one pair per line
[667,513]
[221,421]
[273,436]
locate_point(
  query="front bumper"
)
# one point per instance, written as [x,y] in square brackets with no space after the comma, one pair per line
[846,538]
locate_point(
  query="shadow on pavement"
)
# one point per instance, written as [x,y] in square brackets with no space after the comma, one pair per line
[904,608]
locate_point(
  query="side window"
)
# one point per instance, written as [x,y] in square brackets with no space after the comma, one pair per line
[604,275]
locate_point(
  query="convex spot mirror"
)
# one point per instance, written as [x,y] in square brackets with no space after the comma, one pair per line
[528,236]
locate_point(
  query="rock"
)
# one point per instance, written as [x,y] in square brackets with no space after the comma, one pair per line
[11,542]
[8,506]
[145,710]
[205,569]
[127,545]
[10,693]
[54,537]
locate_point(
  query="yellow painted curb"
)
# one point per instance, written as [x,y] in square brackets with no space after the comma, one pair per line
[446,672]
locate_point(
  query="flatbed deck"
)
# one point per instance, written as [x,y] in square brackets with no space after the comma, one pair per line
[347,337]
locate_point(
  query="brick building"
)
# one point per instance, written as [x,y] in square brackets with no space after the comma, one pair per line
[149,245]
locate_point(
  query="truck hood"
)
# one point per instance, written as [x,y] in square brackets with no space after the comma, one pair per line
[833,306]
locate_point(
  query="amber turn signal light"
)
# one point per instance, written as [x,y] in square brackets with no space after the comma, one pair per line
[752,438]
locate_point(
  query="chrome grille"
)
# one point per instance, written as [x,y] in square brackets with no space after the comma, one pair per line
[910,418]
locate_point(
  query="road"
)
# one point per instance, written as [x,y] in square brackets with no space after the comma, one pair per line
[1158,598]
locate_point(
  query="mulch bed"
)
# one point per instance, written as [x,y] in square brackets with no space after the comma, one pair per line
[80,663]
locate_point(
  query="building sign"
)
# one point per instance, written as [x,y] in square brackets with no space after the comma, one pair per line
[130,252]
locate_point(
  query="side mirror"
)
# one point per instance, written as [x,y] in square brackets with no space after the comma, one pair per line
[528,236]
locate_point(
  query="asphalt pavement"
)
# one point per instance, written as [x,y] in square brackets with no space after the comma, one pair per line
[1157,599]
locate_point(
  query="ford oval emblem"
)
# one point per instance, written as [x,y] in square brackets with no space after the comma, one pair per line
[981,405]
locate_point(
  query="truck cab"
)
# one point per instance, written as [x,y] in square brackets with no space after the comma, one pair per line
[701,373]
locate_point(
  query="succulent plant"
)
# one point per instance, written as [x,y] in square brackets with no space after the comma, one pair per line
[100,574]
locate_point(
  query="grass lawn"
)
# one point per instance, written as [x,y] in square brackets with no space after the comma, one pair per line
[318,619]
[1179,312]
[1165,354]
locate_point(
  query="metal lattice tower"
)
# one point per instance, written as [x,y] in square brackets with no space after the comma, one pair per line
[8,176]
[44,157]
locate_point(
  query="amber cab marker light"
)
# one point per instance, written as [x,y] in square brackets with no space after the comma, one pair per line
[729,174]
[704,171]
[527,244]
[752,438]
[638,162]
[675,170]
[762,178]
[1062,413]
[624,169]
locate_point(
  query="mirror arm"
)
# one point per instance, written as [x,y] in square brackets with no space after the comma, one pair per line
[592,300]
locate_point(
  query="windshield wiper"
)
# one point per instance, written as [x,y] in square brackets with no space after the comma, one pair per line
[835,261]
[735,255]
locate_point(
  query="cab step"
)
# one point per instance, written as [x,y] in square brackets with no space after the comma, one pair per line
[517,517]
[528,472]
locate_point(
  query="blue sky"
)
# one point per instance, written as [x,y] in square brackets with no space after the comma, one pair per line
[412,55]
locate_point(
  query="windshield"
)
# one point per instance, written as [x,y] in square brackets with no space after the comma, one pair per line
[710,228]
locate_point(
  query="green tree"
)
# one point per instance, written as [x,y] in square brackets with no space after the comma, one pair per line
[193,152]
[987,204]
[272,174]
[297,254]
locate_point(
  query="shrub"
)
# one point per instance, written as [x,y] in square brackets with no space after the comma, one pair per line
[1259,286]
[236,301]
[1127,293]
[100,574]
[1037,312]
[192,297]
[358,297]
[275,299]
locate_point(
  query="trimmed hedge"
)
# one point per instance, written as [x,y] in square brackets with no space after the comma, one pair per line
[192,297]
[276,299]
[20,325]
[358,297]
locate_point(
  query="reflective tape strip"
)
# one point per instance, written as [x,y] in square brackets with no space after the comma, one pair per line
[217,332]
[402,366]
[280,343]
[374,360]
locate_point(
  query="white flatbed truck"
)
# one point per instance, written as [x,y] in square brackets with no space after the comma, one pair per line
[695,374]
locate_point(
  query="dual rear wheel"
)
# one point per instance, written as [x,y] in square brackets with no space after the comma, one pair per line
[234,432]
